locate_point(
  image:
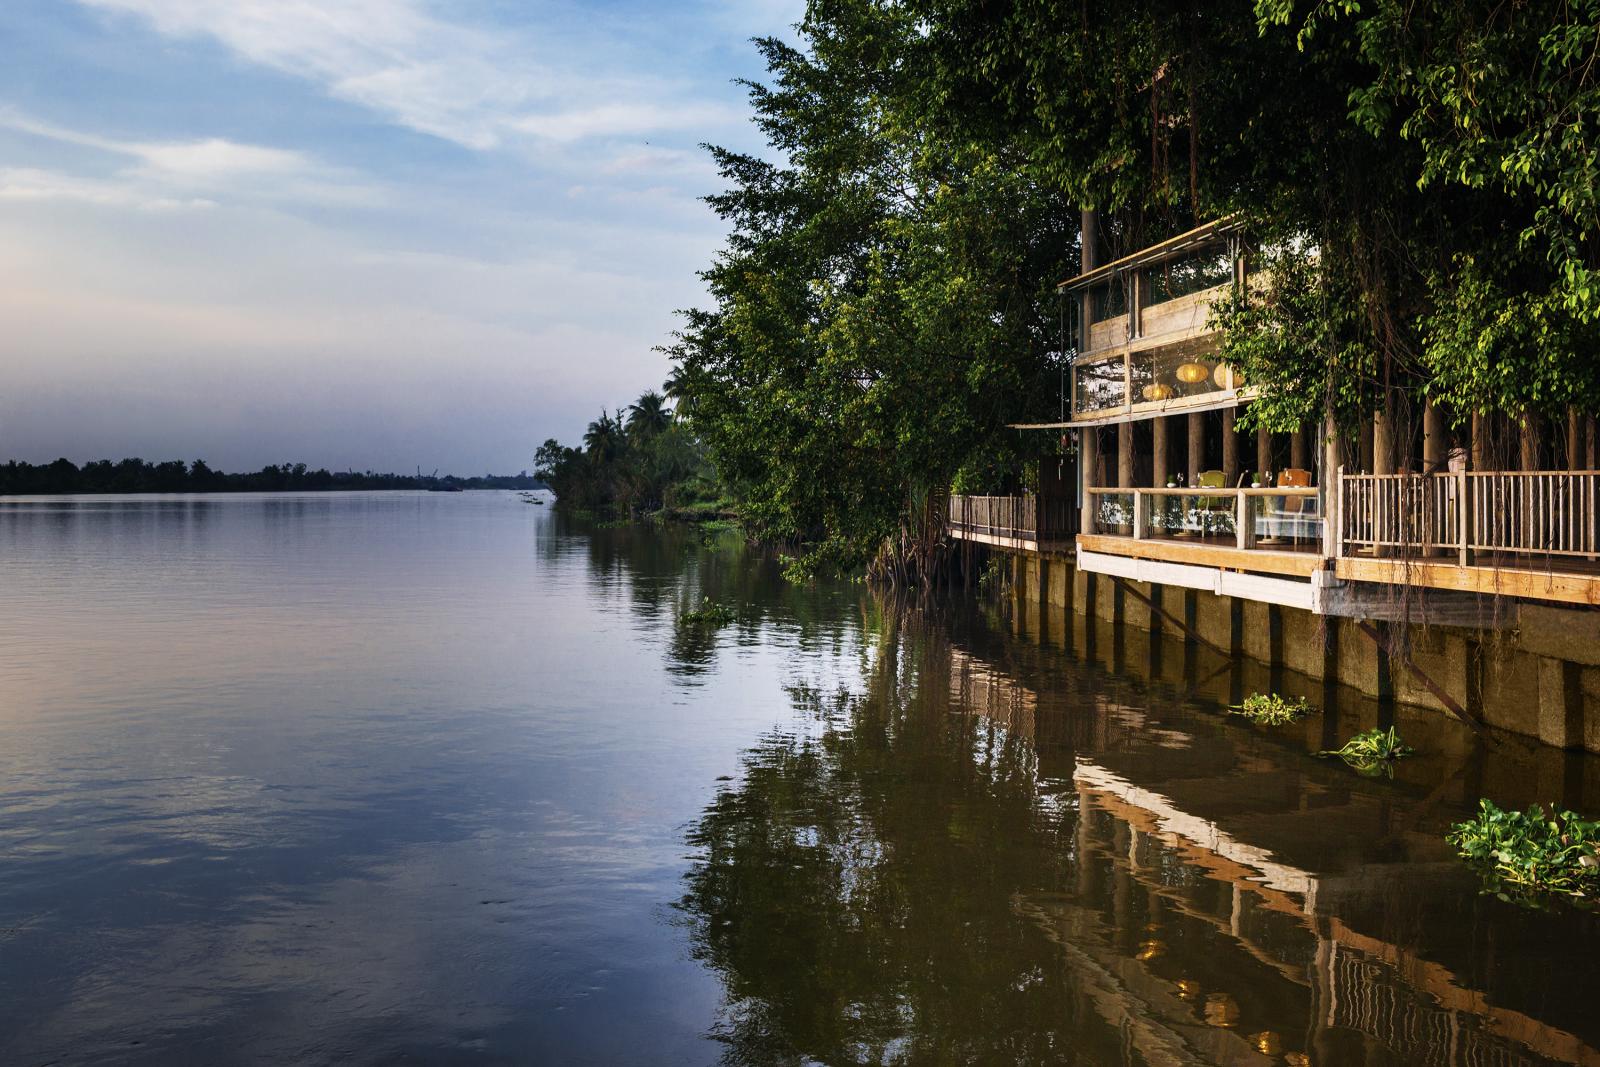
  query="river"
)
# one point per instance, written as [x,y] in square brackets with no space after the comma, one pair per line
[444,778]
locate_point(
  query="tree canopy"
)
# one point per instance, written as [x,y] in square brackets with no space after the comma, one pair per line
[1416,181]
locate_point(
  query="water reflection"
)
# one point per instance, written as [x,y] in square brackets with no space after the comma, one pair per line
[994,850]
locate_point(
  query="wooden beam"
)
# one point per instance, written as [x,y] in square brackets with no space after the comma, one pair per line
[1298,564]
[1488,581]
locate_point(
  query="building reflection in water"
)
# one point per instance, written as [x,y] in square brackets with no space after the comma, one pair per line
[1003,849]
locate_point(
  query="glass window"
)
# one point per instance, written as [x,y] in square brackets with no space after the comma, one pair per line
[1099,385]
[1109,299]
[1189,274]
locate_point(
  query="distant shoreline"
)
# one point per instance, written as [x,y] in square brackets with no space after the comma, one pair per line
[275,492]
[103,477]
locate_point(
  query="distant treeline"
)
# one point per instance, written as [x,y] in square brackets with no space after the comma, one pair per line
[176,476]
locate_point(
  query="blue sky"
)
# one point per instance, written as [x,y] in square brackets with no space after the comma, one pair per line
[354,233]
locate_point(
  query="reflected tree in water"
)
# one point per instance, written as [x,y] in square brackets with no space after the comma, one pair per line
[855,889]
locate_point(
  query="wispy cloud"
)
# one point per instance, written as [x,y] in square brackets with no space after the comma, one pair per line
[160,172]
[31,183]
[456,81]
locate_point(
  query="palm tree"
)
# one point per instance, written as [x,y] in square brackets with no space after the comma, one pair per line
[678,389]
[650,415]
[603,436]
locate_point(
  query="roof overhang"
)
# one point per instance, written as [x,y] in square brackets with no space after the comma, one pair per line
[1112,418]
[1171,248]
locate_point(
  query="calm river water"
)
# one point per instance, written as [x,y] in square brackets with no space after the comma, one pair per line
[441,778]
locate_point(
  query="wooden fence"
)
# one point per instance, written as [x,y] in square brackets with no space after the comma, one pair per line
[1021,518]
[1465,513]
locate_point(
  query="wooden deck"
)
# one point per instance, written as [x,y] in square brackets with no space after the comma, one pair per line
[1461,537]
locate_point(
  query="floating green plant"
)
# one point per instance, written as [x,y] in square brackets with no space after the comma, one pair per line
[1373,752]
[709,615]
[1525,855]
[1270,709]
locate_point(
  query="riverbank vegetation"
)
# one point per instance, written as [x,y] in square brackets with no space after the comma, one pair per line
[176,476]
[641,461]
[1418,178]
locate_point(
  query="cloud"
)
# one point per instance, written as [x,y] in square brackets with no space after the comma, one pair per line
[178,174]
[462,83]
[207,159]
[29,183]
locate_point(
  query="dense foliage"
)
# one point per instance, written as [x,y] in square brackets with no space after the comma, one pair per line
[882,308]
[175,476]
[631,463]
[1418,180]
[1528,853]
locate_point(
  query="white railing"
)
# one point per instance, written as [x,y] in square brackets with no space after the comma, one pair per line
[1463,513]
[1287,518]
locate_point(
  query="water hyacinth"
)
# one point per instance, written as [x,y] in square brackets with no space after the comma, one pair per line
[709,614]
[1270,709]
[1529,854]
[1372,752]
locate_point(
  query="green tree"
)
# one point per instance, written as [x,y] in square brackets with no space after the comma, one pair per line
[883,307]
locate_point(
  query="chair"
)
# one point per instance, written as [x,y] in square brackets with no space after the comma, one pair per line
[1208,480]
[1294,478]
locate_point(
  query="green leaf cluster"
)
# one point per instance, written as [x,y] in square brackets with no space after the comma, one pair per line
[1270,709]
[1372,752]
[1528,854]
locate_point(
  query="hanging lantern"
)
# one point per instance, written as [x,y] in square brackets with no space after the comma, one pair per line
[1158,391]
[1193,373]
[1227,378]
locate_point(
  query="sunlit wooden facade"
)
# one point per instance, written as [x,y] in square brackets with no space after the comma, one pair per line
[1168,492]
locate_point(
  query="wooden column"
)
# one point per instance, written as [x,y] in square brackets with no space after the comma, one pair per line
[1478,449]
[1383,463]
[1300,450]
[1364,448]
[1328,483]
[1383,450]
[1529,442]
[1160,454]
[1160,469]
[1592,443]
[1088,238]
[1263,451]
[1197,447]
[1435,439]
[1088,465]
[1230,450]
[1125,455]
[1575,452]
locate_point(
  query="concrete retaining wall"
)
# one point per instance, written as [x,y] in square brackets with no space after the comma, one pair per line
[1541,679]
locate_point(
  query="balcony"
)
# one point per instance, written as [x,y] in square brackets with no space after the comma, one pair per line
[1147,343]
[1533,534]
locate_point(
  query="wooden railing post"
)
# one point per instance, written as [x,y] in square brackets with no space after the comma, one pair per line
[1244,530]
[1463,518]
[1138,515]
